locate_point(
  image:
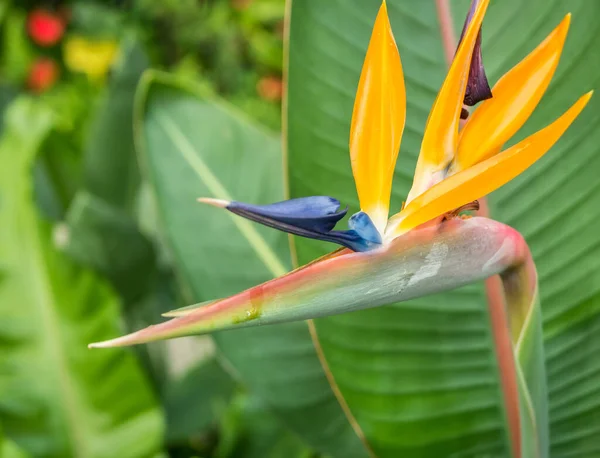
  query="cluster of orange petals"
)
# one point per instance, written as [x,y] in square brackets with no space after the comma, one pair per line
[456,165]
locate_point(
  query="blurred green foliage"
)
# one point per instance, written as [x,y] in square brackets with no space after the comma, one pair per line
[229,45]
[68,145]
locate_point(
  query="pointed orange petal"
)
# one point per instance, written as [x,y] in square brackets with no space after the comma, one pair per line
[515,96]
[441,134]
[378,121]
[483,178]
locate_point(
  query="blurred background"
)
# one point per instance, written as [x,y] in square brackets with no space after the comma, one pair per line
[72,48]
[68,75]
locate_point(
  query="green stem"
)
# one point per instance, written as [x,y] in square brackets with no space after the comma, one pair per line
[525,328]
[506,360]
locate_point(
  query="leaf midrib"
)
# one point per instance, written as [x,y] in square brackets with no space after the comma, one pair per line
[218,190]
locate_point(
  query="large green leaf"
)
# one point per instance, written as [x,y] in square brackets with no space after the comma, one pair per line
[58,399]
[192,148]
[421,378]
[555,205]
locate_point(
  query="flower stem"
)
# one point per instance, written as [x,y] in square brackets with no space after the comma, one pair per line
[525,322]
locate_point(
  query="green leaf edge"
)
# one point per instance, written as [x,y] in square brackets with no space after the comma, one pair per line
[153,76]
[256,241]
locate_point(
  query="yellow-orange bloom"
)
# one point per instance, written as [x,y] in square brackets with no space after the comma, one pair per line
[455,167]
[92,57]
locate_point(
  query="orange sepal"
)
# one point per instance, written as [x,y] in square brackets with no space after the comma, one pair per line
[378,121]
[441,133]
[515,96]
[483,178]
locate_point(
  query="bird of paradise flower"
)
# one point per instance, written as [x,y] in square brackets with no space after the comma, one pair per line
[428,246]
[455,168]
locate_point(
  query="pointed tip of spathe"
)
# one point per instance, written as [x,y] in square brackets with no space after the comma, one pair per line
[118,342]
[220,203]
[123,341]
[134,338]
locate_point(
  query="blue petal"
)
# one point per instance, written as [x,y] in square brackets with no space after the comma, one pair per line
[317,213]
[364,227]
[312,217]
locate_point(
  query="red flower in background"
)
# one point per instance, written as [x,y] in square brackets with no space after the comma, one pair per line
[44,27]
[42,75]
[270,88]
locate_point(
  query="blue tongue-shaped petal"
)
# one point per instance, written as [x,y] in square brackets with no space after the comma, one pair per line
[311,217]
[317,213]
